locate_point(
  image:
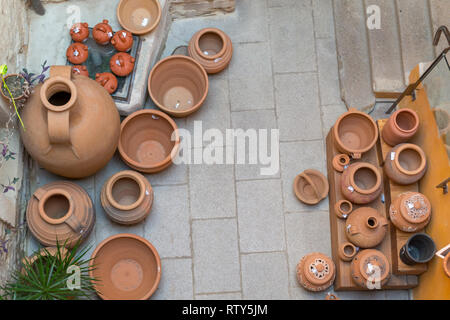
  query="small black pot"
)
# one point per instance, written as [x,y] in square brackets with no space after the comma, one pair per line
[419,248]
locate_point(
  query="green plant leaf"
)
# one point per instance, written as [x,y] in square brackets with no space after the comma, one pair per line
[3,69]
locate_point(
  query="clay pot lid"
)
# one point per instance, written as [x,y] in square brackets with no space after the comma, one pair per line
[122,64]
[79,31]
[122,40]
[102,32]
[340,162]
[108,81]
[415,207]
[139,16]
[77,53]
[413,150]
[318,268]
[81,70]
[356,180]
[372,260]
[127,266]
[404,125]
[311,186]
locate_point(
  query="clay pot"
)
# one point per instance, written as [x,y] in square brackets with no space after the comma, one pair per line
[366,227]
[21,80]
[139,16]
[122,40]
[343,208]
[77,53]
[311,186]
[80,70]
[178,85]
[410,211]
[60,211]
[127,197]
[370,269]
[102,32]
[354,133]
[405,164]
[419,248]
[401,126]
[331,296]
[347,251]
[79,32]
[316,272]
[72,124]
[122,64]
[108,81]
[128,268]
[340,162]
[146,142]
[361,183]
[446,264]
[442,120]
[212,48]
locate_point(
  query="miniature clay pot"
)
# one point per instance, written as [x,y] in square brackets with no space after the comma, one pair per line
[442,120]
[316,272]
[79,32]
[366,227]
[446,264]
[331,296]
[127,197]
[401,126]
[410,211]
[354,133]
[340,162]
[72,124]
[77,53]
[347,251]
[18,77]
[146,142]
[343,208]
[58,212]
[405,164]
[122,64]
[80,70]
[419,248]
[212,48]
[102,32]
[139,16]
[128,268]
[178,85]
[108,81]
[370,269]
[311,186]
[122,40]
[361,183]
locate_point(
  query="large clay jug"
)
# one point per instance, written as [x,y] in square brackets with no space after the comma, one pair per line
[72,126]
[366,227]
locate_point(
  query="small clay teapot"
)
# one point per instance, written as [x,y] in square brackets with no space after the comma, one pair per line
[311,186]
[108,81]
[122,40]
[316,272]
[410,211]
[361,183]
[405,164]
[370,269]
[121,64]
[81,70]
[340,162]
[79,32]
[401,126]
[365,227]
[77,53]
[102,32]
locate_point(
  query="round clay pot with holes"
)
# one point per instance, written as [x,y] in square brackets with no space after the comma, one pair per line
[370,269]
[139,16]
[77,53]
[343,208]
[122,64]
[340,161]
[58,212]
[79,32]
[146,143]
[366,227]
[410,211]
[316,272]
[405,164]
[108,81]
[361,183]
[102,32]
[122,40]
[401,126]
[212,48]
[347,251]
[420,248]
[80,70]
[311,186]
[127,197]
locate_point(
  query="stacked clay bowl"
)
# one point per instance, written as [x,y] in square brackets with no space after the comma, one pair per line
[139,16]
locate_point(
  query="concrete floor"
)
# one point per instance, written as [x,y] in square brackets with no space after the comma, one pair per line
[224,231]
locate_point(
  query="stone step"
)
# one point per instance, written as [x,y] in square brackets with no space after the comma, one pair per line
[440,15]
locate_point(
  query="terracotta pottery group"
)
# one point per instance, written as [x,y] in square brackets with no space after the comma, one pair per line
[401,126]
[405,164]
[77,53]
[410,211]
[343,208]
[139,16]
[107,80]
[340,162]
[311,186]
[419,248]
[102,32]
[370,269]
[122,40]
[361,183]
[366,227]
[316,272]
[347,251]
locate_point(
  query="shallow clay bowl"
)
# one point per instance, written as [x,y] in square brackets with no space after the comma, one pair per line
[139,16]
[178,85]
[127,267]
[311,186]
[146,143]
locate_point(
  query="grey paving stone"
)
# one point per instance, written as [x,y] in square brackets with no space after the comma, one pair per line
[397,294]
[328,72]
[252,93]
[283,3]
[329,116]
[173,175]
[250,60]
[323,18]
[219,296]
[176,280]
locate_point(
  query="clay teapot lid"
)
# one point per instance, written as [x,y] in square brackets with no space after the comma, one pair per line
[80,69]
[77,53]
[108,81]
[122,64]
[79,31]
[415,207]
[318,268]
[122,40]
[102,32]
[311,186]
[371,261]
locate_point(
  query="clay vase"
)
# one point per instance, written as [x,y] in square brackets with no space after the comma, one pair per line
[419,248]
[72,124]
[311,186]
[361,183]
[79,32]
[405,164]
[122,40]
[108,81]
[316,272]
[354,133]
[102,32]
[58,212]
[77,53]
[401,126]
[122,64]
[442,118]
[370,269]
[178,85]
[149,140]
[139,16]
[446,265]
[212,48]
[340,162]
[80,70]
[127,266]
[410,211]
[347,251]
[127,197]
[365,227]
[343,208]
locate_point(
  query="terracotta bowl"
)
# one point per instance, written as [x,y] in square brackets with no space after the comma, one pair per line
[178,85]
[145,142]
[311,186]
[139,16]
[127,266]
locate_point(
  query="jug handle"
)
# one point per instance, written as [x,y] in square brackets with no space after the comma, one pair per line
[39,193]
[74,223]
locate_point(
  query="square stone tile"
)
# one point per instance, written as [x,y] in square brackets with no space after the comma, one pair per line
[176,280]
[323,18]
[251,93]
[330,92]
[260,215]
[173,175]
[329,116]
[284,3]
[250,60]
[219,296]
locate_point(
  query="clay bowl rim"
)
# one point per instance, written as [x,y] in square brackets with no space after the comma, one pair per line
[53,82]
[409,111]
[215,31]
[174,150]
[130,174]
[7,97]
[178,113]
[134,237]
[308,275]
[381,255]
[416,148]
[348,244]
[406,216]
[48,195]
[130,29]
[316,173]
[362,165]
